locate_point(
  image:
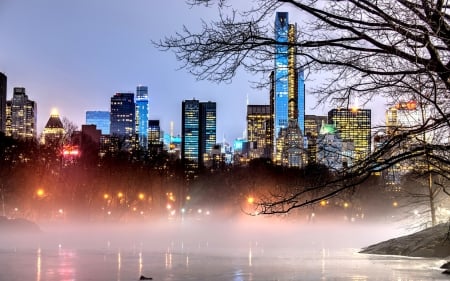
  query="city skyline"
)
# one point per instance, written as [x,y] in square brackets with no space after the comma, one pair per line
[76,65]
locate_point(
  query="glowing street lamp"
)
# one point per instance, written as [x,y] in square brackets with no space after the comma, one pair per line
[40,193]
[141,196]
[250,200]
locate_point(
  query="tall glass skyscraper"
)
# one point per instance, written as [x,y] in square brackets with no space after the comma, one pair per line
[198,131]
[288,96]
[281,72]
[142,115]
[123,115]
[3,102]
[100,119]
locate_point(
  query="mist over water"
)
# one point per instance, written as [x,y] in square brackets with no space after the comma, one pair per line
[244,248]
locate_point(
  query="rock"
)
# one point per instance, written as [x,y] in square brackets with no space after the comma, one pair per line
[446,265]
[431,242]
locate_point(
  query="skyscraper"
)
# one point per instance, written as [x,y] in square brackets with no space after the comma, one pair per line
[123,116]
[289,107]
[198,131]
[259,131]
[313,124]
[353,125]
[53,133]
[21,116]
[142,115]
[100,119]
[3,87]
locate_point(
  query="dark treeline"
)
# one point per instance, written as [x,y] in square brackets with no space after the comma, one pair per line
[38,183]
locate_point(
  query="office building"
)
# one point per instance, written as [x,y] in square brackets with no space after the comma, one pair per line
[3,90]
[313,123]
[100,119]
[353,125]
[289,107]
[54,132]
[332,151]
[21,116]
[155,143]
[142,115]
[198,132]
[123,118]
[259,131]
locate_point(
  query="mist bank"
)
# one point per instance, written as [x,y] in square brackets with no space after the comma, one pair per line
[261,234]
[433,242]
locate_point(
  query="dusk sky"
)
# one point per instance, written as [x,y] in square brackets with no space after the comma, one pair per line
[75,55]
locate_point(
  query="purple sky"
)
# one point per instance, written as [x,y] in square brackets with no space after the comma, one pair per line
[74,55]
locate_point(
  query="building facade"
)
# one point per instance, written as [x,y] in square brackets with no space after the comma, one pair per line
[353,125]
[259,128]
[313,123]
[54,132]
[123,119]
[142,115]
[100,119]
[21,116]
[288,83]
[3,91]
[198,132]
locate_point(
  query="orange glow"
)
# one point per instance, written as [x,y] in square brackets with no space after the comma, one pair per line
[323,203]
[250,200]
[40,192]
[120,194]
[141,196]
[106,196]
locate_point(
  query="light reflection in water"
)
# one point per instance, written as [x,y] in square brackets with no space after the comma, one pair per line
[168,259]
[66,269]
[38,265]
[187,261]
[119,264]
[140,263]
[250,257]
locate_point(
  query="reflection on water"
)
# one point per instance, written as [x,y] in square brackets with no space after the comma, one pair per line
[251,264]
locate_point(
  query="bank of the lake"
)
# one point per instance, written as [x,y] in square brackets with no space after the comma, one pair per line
[433,242]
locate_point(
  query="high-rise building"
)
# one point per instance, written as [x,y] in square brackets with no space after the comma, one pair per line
[53,133]
[3,90]
[288,83]
[198,131]
[332,151]
[100,119]
[313,123]
[259,118]
[142,115]
[353,125]
[21,116]
[122,116]
[155,143]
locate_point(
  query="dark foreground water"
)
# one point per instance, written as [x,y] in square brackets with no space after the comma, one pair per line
[206,254]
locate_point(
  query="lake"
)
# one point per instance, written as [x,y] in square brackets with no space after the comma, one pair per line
[207,253]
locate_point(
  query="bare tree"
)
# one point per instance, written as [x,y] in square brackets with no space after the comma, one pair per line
[399,49]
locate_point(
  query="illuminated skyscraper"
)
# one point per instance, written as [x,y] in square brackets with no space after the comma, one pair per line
[313,124]
[21,116]
[353,125]
[123,116]
[3,87]
[288,83]
[198,132]
[259,131]
[142,115]
[100,119]
[53,133]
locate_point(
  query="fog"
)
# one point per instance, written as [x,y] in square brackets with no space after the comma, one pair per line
[260,234]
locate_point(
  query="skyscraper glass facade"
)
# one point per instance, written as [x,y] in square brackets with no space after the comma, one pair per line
[100,119]
[198,132]
[281,72]
[258,130]
[301,100]
[142,115]
[123,115]
[353,125]
[207,130]
[190,132]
